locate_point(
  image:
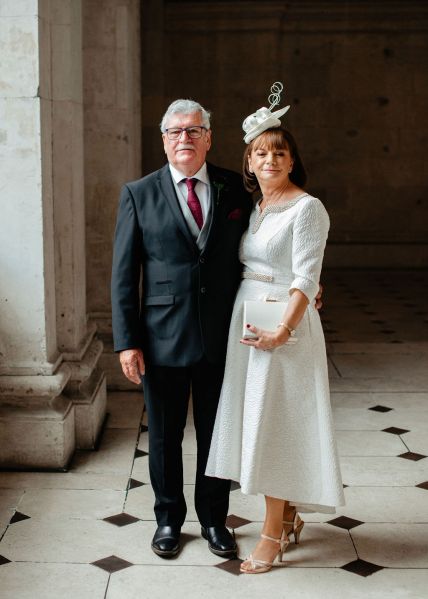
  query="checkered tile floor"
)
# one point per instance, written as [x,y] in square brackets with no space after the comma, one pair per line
[86,533]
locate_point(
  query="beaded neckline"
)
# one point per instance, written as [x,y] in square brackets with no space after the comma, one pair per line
[272,209]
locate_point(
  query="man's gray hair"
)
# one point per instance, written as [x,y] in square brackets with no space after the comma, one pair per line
[185,107]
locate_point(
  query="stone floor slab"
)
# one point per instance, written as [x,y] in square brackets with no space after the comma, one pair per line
[368,443]
[62,480]
[299,583]
[382,471]
[386,504]
[114,456]
[124,409]
[52,581]
[59,503]
[393,545]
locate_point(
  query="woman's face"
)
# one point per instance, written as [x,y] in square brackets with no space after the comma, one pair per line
[270,165]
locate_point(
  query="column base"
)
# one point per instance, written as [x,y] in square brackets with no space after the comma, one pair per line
[37,429]
[87,390]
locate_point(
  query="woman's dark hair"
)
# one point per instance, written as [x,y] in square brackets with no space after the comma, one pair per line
[274,139]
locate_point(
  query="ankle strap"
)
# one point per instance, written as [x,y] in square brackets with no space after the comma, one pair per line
[270,538]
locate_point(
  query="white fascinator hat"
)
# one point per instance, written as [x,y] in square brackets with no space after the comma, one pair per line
[264,118]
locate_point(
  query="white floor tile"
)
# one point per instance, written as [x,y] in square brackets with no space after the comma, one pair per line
[298,583]
[114,455]
[67,540]
[354,400]
[383,471]
[378,384]
[9,502]
[417,442]
[125,409]
[52,581]
[368,443]
[386,504]
[393,545]
[46,504]
[62,480]
[360,419]
[413,367]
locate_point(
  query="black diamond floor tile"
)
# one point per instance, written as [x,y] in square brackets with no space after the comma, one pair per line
[133,483]
[144,428]
[380,409]
[345,486]
[231,566]
[4,560]
[121,519]
[233,521]
[395,431]
[112,564]
[361,567]
[139,453]
[423,485]
[410,455]
[18,516]
[345,522]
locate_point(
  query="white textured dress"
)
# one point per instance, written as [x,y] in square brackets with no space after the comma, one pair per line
[274,431]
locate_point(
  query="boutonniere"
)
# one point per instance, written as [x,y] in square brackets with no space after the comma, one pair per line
[219,186]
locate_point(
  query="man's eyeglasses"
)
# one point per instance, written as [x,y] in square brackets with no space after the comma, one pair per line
[193,132]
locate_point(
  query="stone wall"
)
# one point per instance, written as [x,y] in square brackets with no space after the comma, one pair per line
[356,76]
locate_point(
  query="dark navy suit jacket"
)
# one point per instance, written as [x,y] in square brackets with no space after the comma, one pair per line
[169,298]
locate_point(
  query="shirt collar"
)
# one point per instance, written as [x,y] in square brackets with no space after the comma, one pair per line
[201,175]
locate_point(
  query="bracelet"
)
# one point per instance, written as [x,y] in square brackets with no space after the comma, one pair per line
[291,331]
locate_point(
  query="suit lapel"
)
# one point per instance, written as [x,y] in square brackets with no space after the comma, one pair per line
[168,190]
[212,172]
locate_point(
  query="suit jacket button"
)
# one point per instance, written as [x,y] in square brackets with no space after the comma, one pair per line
[202,260]
[203,290]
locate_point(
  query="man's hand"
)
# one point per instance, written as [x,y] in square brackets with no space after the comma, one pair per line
[318,301]
[132,362]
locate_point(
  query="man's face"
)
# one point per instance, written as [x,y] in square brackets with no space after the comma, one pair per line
[186,154]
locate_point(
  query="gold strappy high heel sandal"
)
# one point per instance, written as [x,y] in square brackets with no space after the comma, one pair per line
[296,527]
[258,566]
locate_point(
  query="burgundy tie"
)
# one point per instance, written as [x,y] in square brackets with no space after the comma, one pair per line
[193,202]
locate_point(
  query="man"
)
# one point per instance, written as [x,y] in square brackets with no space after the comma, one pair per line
[179,229]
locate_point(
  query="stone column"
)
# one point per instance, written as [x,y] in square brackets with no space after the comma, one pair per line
[51,394]
[112,133]
[77,341]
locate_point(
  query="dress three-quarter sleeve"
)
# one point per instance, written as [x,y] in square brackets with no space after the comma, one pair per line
[309,238]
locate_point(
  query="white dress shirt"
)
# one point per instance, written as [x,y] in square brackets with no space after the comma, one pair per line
[203,191]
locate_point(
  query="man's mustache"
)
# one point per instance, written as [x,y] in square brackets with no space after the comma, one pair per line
[185,147]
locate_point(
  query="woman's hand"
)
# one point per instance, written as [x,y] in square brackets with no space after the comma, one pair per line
[266,340]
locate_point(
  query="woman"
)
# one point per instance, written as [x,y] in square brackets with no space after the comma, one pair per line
[274,431]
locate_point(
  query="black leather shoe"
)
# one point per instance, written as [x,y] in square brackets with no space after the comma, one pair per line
[166,541]
[220,541]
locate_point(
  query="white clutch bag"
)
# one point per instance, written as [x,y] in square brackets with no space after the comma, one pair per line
[263,315]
